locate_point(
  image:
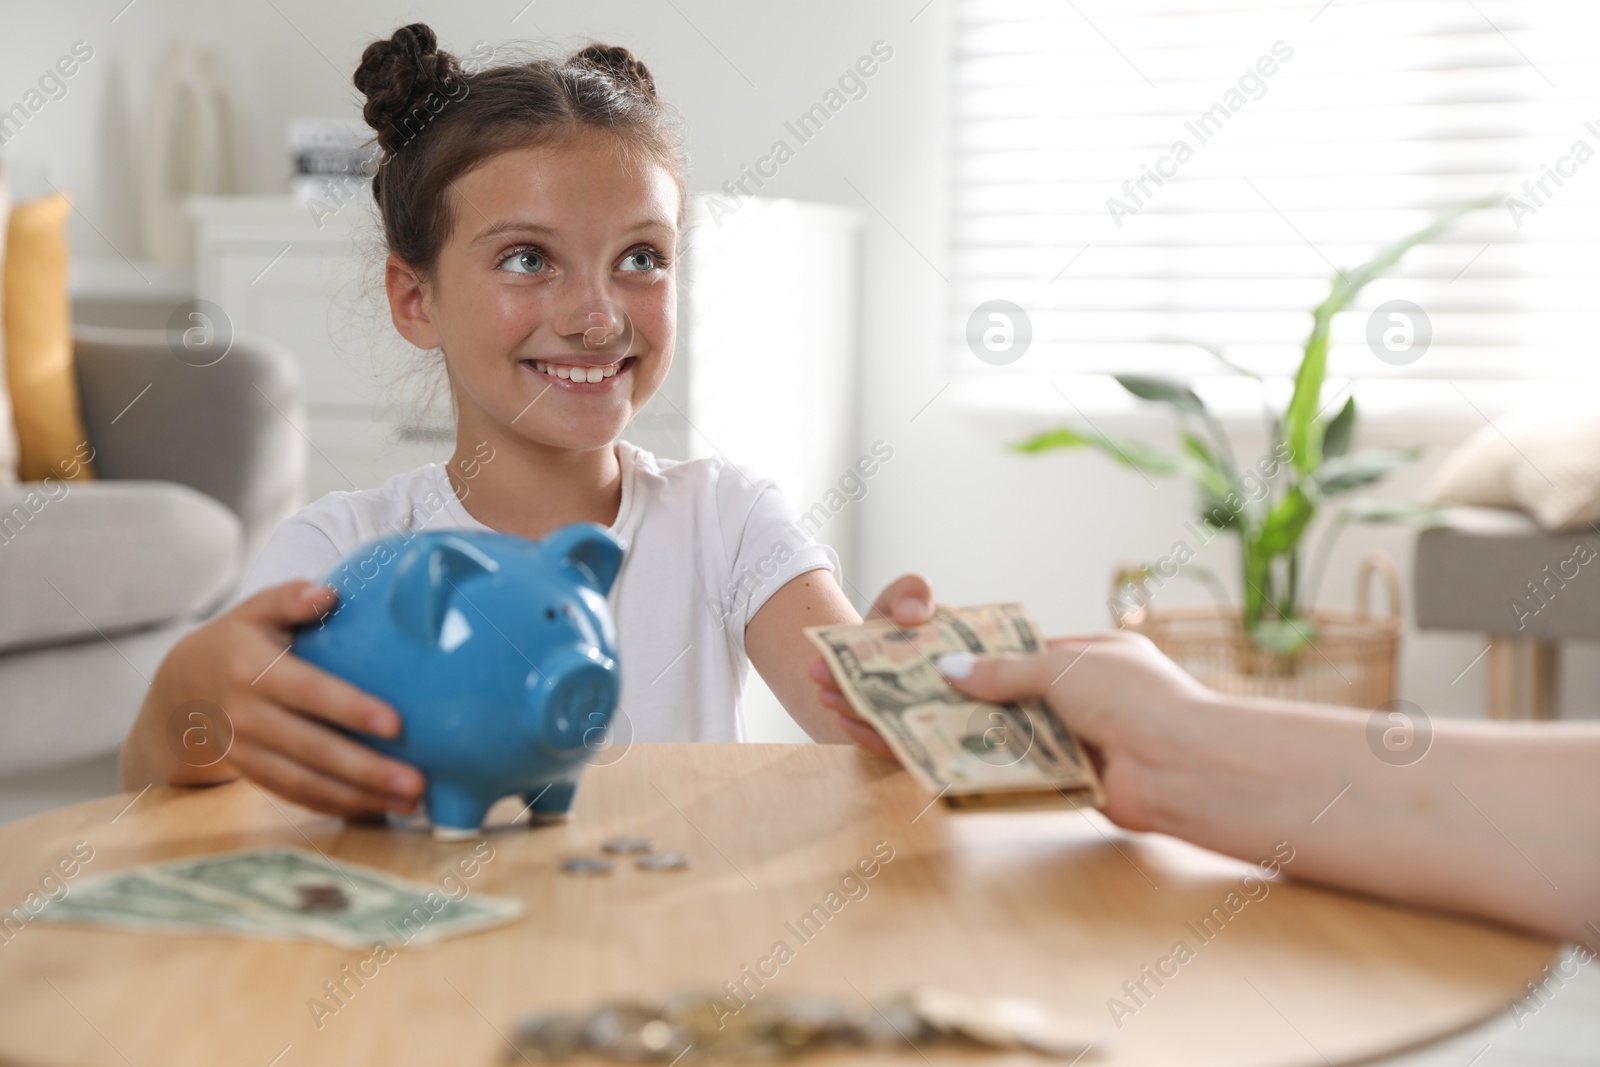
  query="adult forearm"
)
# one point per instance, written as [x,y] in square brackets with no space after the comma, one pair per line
[1493,821]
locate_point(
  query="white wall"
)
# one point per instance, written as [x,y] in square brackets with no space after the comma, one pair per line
[983,524]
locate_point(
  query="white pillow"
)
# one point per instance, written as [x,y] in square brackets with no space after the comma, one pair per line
[1545,462]
[8,428]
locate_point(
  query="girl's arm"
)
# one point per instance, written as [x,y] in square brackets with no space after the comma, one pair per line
[778,647]
[276,712]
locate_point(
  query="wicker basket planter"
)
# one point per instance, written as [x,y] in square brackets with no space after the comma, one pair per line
[1352,661]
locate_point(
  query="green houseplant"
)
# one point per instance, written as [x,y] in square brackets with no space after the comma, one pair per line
[1310,463]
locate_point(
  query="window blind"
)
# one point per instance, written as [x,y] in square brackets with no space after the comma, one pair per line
[1130,172]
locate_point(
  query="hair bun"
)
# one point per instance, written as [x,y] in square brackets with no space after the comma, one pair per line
[399,74]
[620,64]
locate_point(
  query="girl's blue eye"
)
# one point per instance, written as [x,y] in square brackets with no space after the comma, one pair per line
[642,259]
[524,261]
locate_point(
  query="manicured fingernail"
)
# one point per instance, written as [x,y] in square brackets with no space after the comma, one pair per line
[913,606]
[402,783]
[957,665]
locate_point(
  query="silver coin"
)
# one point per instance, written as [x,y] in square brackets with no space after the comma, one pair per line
[548,1037]
[892,1024]
[587,865]
[663,861]
[628,846]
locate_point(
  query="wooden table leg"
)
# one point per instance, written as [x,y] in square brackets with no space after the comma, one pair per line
[1543,657]
[1522,676]
[1502,680]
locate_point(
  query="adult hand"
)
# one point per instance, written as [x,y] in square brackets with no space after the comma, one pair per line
[282,711]
[908,600]
[1122,698]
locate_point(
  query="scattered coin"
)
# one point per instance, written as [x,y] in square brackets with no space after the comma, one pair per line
[587,865]
[628,846]
[663,861]
[322,897]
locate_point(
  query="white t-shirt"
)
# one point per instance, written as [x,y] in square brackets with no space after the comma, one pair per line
[706,541]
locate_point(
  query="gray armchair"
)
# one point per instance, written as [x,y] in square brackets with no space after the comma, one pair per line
[196,466]
[1494,571]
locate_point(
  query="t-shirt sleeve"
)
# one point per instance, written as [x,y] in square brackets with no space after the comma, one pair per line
[296,550]
[767,545]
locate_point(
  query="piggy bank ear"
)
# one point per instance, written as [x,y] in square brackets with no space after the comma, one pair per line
[590,550]
[425,582]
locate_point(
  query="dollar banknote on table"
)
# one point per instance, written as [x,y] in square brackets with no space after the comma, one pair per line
[279,893]
[969,753]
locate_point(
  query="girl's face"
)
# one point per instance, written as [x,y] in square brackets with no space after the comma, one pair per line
[554,297]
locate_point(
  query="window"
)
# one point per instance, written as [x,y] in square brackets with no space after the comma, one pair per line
[1129,171]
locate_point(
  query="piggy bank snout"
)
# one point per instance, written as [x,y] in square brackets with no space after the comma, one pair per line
[572,697]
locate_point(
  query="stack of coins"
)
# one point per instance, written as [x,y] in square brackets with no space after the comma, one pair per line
[703,1026]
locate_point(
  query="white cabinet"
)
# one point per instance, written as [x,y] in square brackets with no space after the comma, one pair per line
[372,407]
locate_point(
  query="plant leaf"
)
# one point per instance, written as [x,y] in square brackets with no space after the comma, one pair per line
[1344,473]
[1286,523]
[1301,413]
[1163,391]
[1339,432]
[1300,418]
[1129,453]
[1284,636]
[1208,470]
[1062,437]
[1216,513]
[1216,354]
[1396,511]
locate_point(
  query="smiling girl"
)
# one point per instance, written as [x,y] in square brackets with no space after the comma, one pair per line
[532,214]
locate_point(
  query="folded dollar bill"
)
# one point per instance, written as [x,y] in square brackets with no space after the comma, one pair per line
[969,753]
[279,893]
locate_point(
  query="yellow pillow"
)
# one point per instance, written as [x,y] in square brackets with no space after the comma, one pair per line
[38,329]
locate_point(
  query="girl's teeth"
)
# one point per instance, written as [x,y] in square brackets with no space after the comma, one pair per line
[577,374]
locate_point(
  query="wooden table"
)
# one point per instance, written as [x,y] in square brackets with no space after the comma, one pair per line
[1059,906]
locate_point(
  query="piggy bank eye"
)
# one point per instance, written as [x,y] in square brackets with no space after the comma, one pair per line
[550,613]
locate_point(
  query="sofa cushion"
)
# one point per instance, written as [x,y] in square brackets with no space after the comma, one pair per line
[1544,460]
[85,558]
[51,437]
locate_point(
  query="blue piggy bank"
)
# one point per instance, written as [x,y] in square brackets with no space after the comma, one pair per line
[499,654]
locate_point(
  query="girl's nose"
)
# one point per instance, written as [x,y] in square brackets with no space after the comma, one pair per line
[597,324]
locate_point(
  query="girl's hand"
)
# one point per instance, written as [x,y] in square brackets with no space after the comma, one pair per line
[908,600]
[1126,702]
[279,708]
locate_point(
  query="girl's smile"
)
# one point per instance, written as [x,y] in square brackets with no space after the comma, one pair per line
[584,378]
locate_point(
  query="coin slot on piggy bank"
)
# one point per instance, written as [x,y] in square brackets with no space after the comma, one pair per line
[498,653]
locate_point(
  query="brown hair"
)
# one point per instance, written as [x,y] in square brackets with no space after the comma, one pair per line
[436,121]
